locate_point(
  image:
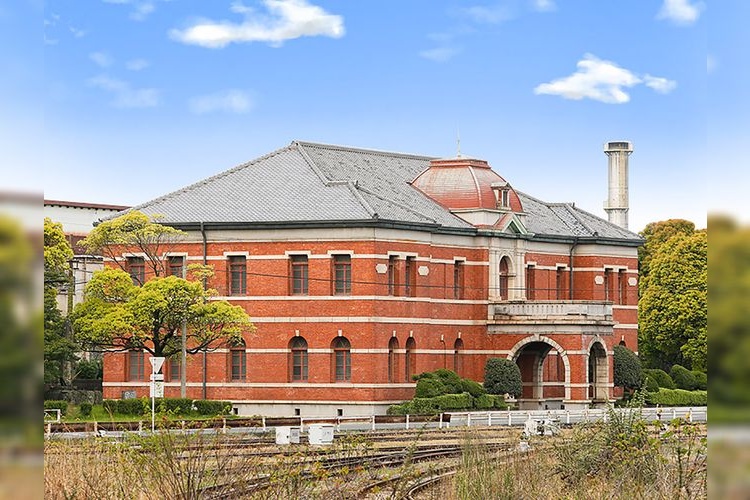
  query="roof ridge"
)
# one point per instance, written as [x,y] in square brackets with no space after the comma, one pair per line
[212,178]
[364,150]
[602,219]
[572,211]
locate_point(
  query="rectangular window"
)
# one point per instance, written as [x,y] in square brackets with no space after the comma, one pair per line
[392,275]
[410,277]
[530,283]
[175,374]
[299,365]
[560,283]
[175,266]
[622,285]
[135,365]
[299,275]
[239,363]
[237,275]
[343,366]
[342,274]
[458,279]
[137,270]
[608,295]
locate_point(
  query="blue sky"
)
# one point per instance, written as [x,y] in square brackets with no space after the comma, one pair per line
[136,98]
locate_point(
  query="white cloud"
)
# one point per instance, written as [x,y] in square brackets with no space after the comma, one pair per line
[228,101]
[494,14]
[76,32]
[544,5]
[124,95]
[285,20]
[141,8]
[661,85]
[602,81]
[440,54]
[137,64]
[681,12]
[101,59]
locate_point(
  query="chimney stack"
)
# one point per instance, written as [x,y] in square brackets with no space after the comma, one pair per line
[616,205]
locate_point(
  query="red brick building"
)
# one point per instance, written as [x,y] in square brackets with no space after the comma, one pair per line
[361,268]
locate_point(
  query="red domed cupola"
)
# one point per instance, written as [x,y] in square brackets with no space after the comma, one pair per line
[465,185]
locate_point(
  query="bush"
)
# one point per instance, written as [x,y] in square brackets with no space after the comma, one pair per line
[661,378]
[177,406]
[490,402]
[421,406]
[701,380]
[628,371]
[454,401]
[677,397]
[90,370]
[650,384]
[55,404]
[502,376]
[453,383]
[131,406]
[683,378]
[212,407]
[397,409]
[430,387]
[474,388]
[85,409]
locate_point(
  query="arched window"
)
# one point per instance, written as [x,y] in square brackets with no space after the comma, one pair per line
[237,362]
[458,361]
[392,360]
[342,359]
[503,278]
[298,359]
[411,358]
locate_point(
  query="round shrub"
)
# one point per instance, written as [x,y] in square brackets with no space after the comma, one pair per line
[683,378]
[661,378]
[628,371]
[502,376]
[430,387]
[651,384]
[56,404]
[85,409]
[701,380]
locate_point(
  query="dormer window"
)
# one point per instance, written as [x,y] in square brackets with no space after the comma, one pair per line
[502,194]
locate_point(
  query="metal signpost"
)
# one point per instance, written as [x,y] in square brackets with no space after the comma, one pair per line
[157,386]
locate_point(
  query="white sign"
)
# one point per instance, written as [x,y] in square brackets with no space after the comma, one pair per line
[157,389]
[156,363]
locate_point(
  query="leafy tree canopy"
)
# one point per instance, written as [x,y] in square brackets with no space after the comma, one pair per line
[673,305]
[116,314]
[656,234]
[136,232]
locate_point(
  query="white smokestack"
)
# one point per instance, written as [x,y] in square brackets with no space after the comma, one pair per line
[616,205]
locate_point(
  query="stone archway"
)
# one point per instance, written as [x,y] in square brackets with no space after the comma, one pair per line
[540,390]
[598,373]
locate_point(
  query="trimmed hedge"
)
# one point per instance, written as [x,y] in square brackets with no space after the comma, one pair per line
[701,380]
[490,402]
[430,387]
[212,407]
[131,406]
[683,378]
[179,406]
[474,388]
[454,401]
[650,384]
[660,377]
[54,404]
[677,397]
[85,409]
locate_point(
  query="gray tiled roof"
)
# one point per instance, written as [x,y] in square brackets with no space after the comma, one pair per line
[310,182]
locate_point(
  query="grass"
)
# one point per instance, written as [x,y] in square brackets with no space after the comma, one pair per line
[100,414]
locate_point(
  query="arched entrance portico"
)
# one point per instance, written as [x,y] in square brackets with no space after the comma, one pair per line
[544,386]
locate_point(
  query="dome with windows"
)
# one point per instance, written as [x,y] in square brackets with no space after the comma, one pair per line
[467,184]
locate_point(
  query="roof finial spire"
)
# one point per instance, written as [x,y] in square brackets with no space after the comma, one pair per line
[458,143]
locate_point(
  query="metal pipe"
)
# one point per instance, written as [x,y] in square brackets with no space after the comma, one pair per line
[570,268]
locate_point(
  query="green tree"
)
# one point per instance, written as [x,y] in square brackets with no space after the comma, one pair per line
[729,288]
[59,347]
[116,314]
[627,369]
[502,376]
[673,305]
[136,232]
[655,235]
